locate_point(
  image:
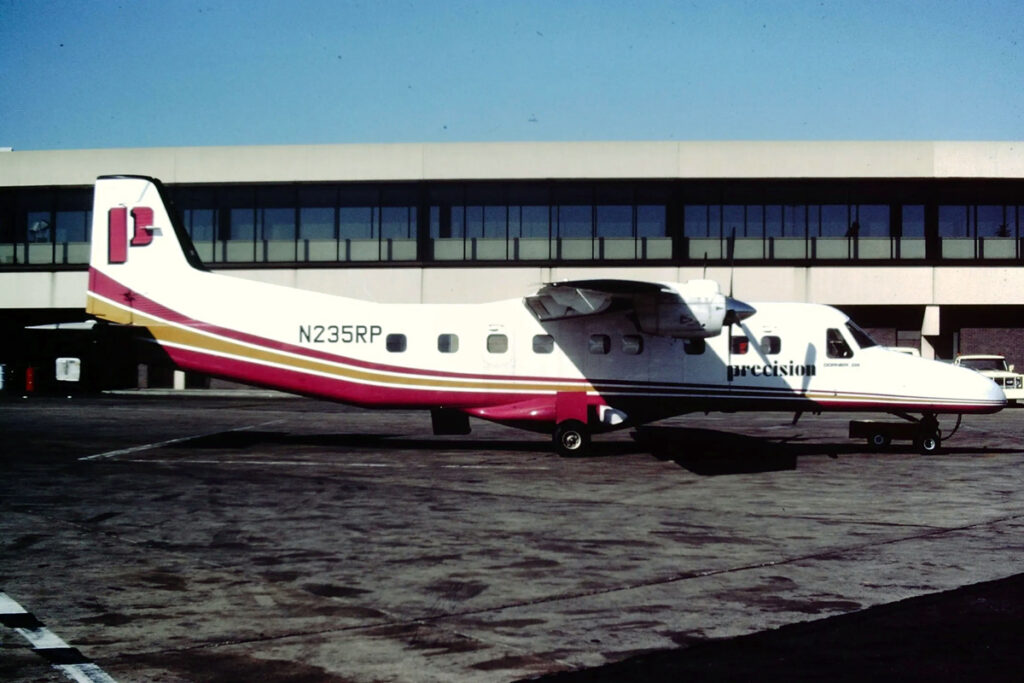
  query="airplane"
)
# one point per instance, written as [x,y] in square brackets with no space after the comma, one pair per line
[571,359]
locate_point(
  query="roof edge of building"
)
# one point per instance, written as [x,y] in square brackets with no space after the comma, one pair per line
[523,161]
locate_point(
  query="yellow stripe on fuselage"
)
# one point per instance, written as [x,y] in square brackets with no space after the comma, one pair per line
[188,338]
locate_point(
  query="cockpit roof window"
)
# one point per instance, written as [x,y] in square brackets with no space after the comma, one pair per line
[862,338]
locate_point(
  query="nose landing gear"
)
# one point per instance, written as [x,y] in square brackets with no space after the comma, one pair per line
[929,437]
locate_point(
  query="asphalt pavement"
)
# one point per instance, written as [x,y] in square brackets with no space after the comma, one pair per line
[254,537]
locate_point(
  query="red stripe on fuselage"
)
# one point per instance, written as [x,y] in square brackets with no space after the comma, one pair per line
[684,396]
[107,287]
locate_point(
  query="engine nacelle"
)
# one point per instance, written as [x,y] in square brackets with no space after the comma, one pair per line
[696,309]
[690,310]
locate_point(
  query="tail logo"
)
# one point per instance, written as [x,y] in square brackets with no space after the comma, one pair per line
[117,231]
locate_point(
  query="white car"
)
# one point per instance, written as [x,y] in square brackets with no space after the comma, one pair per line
[995,367]
[905,350]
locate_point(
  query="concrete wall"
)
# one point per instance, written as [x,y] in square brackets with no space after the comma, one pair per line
[840,286]
[861,285]
[43,289]
[521,160]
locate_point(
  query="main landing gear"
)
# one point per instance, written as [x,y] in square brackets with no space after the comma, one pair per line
[924,433]
[571,438]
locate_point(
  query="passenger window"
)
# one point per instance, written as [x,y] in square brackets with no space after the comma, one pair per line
[740,345]
[694,347]
[497,343]
[632,344]
[600,343]
[771,345]
[837,346]
[543,343]
[395,343]
[447,343]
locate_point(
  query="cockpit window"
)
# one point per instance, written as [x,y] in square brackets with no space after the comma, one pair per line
[862,338]
[837,346]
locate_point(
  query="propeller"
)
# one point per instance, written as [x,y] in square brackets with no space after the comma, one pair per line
[736,311]
[731,251]
[730,317]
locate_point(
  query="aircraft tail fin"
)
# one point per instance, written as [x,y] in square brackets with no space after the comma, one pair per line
[138,243]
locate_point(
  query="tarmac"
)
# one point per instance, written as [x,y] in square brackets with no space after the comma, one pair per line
[255,537]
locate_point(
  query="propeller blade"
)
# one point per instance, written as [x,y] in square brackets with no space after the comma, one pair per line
[732,258]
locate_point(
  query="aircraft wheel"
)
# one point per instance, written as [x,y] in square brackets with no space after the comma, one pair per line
[879,441]
[928,444]
[571,438]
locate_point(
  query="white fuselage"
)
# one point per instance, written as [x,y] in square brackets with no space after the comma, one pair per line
[498,360]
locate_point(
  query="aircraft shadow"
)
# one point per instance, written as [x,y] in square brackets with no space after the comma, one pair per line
[391,442]
[709,452]
[702,451]
[705,452]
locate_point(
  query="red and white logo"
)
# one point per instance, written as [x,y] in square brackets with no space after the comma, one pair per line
[117,231]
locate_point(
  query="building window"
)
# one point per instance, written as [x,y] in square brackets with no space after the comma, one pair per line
[395,343]
[543,343]
[609,222]
[632,344]
[541,221]
[497,343]
[448,343]
[872,220]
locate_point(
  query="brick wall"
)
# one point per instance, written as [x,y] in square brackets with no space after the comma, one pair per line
[1006,341]
[886,336]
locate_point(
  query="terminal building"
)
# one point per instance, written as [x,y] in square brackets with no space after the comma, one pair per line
[920,242]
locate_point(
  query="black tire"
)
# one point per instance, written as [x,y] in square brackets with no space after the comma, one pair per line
[879,441]
[571,438]
[928,444]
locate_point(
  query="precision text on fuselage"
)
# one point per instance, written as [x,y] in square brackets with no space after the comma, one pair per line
[790,369]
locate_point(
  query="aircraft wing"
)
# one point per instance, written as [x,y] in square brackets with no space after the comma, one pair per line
[685,310]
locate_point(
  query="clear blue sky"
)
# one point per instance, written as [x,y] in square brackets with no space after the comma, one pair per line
[77,74]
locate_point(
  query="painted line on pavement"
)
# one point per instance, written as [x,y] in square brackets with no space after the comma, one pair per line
[48,645]
[168,442]
[340,465]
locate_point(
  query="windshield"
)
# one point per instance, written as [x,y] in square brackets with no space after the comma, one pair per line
[984,363]
[862,338]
